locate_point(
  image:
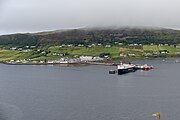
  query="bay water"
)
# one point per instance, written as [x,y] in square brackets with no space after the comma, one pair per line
[46,92]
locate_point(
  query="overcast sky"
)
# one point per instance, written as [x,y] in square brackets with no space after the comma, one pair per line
[40,15]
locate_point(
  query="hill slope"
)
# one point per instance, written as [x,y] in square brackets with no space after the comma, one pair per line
[95,35]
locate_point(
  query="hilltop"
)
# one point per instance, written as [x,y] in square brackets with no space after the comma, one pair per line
[125,35]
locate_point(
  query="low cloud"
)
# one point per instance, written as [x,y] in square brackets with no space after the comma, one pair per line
[39,15]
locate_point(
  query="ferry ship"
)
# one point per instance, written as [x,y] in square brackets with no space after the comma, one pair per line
[126,68]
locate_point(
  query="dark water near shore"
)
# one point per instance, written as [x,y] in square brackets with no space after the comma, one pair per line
[89,93]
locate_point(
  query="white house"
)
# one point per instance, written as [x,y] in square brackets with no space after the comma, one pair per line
[86,58]
[108,46]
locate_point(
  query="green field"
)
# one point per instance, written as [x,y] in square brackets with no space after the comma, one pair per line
[94,51]
[155,48]
[75,51]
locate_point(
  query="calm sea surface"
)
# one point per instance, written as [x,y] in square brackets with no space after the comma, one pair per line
[89,93]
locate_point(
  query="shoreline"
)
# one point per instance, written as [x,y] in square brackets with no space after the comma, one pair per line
[107,62]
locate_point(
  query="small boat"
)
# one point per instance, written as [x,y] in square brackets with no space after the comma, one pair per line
[157,115]
[146,67]
[112,71]
[177,61]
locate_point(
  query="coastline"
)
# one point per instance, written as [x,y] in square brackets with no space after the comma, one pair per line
[106,62]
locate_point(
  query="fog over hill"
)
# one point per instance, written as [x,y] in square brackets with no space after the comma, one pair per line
[38,15]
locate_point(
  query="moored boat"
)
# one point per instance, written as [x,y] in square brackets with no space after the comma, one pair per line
[146,67]
[112,71]
[126,68]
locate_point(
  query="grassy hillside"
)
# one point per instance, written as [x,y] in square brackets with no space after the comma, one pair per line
[115,52]
[95,35]
[156,48]
[15,55]
[123,42]
[95,51]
